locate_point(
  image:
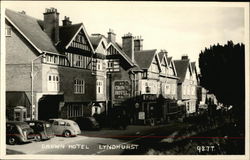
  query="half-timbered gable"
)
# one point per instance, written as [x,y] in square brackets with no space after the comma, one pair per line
[76,45]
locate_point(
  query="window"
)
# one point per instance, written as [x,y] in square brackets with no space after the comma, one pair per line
[99,87]
[79,61]
[7,31]
[54,59]
[113,65]
[62,123]
[99,65]
[144,74]
[53,82]
[79,86]
[75,110]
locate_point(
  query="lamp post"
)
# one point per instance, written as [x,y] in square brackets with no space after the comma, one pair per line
[32,84]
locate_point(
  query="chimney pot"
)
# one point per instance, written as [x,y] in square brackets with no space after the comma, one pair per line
[66,21]
[138,43]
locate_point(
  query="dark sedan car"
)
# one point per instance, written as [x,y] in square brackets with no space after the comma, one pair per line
[88,123]
[18,132]
[42,129]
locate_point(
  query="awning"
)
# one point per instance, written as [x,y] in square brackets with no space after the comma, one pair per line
[17,99]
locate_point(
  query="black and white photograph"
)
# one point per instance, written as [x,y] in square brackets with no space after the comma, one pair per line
[165,79]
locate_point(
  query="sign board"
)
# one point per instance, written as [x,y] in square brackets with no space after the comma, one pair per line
[121,90]
[141,115]
[149,97]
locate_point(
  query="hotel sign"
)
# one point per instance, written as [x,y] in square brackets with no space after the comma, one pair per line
[121,90]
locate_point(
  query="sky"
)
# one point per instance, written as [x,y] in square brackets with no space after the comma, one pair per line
[179,28]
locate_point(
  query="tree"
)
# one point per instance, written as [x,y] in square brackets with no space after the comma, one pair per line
[222,70]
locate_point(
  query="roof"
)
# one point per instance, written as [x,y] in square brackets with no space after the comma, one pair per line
[136,68]
[95,40]
[69,32]
[169,59]
[30,28]
[144,58]
[66,33]
[181,67]
[161,55]
[193,66]
[116,45]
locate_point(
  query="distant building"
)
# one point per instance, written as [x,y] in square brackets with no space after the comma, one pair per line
[187,84]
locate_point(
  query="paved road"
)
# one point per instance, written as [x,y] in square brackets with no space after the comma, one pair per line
[131,141]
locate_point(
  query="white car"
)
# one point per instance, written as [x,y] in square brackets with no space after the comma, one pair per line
[65,127]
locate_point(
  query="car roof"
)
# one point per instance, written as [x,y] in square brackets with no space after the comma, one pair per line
[37,121]
[65,120]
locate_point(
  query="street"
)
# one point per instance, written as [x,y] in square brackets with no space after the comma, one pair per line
[105,142]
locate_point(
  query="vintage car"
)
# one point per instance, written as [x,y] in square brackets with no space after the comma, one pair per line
[42,129]
[65,127]
[18,132]
[88,123]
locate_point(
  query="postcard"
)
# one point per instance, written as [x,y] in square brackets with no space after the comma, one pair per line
[125,80]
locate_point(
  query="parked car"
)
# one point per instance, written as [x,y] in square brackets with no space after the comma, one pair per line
[18,132]
[65,127]
[88,123]
[42,129]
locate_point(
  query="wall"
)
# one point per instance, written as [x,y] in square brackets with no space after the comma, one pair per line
[19,55]
[67,77]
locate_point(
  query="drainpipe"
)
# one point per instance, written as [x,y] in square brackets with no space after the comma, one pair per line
[32,85]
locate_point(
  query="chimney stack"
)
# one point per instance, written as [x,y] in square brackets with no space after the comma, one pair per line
[111,35]
[138,43]
[51,24]
[184,57]
[128,45]
[165,52]
[66,21]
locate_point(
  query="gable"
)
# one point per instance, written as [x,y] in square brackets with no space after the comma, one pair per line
[188,73]
[164,62]
[75,37]
[155,65]
[172,71]
[101,48]
[112,50]
[81,42]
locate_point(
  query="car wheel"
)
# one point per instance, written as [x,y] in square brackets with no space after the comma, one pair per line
[38,138]
[66,134]
[12,140]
